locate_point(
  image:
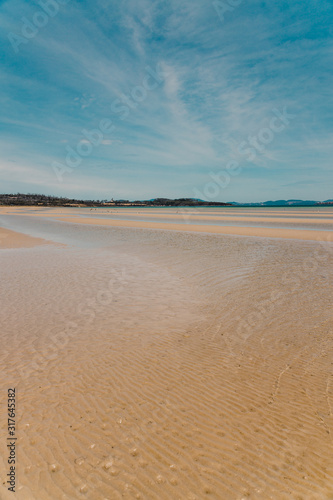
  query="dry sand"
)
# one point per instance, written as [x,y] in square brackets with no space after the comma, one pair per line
[167,364]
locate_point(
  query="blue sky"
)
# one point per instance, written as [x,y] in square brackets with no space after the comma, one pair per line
[224,72]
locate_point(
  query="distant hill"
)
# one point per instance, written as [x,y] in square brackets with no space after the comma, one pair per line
[181,202]
[285,203]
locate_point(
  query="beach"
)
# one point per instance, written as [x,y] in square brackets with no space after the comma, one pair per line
[168,353]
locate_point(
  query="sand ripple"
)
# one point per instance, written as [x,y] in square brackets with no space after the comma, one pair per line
[170,366]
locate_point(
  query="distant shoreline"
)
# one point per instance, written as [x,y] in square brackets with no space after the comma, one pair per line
[35,200]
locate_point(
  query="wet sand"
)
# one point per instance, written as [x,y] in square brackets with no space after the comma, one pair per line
[167,364]
[294,224]
[242,231]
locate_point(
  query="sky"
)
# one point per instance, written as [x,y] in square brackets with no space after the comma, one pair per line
[218,100]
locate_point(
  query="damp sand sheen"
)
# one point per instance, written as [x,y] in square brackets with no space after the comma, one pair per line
[168,354]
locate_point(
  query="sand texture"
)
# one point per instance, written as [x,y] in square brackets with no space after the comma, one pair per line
[167,364]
